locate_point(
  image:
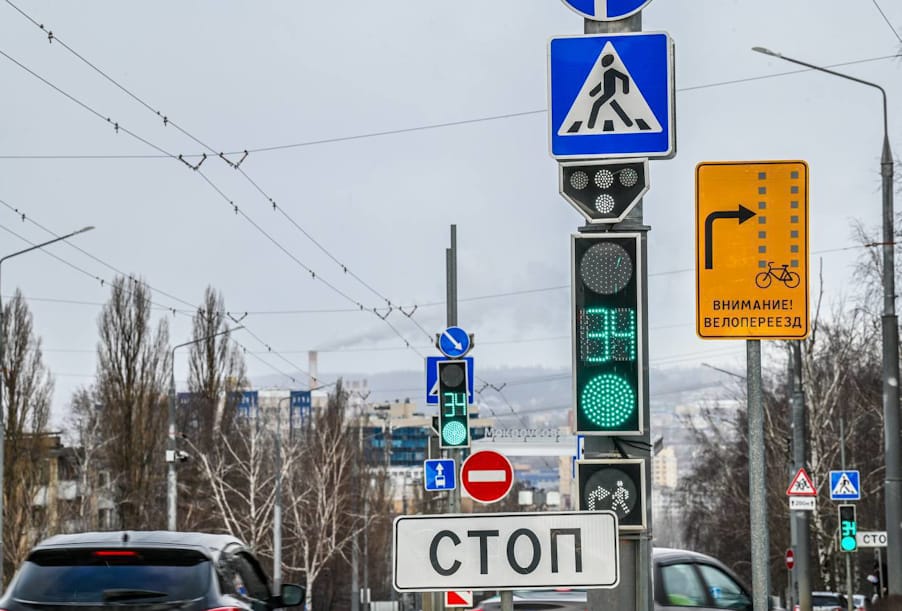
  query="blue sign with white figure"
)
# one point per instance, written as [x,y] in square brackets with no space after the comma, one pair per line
[432,379]
[611,95]
[606,10]
[454,342]
[439,474]
[845,486]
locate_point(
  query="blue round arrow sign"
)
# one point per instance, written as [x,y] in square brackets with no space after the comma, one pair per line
[454,342]
[606,10]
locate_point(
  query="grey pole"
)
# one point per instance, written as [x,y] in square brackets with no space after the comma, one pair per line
[842,460]
[2,372]
[799,451]
[277,506]
[890,329]
[171,458]
[757,480]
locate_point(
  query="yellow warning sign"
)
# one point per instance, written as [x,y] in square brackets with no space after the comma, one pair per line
[751,239]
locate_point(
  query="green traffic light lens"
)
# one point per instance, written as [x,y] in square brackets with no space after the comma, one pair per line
[848,544]
[454,433]
[608,401]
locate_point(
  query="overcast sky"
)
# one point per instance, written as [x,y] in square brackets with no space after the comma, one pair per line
[380,100]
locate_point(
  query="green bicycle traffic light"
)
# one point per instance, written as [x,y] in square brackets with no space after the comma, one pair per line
[453,414]
[607,333]
[848,528]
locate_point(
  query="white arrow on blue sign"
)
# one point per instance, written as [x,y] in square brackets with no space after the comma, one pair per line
[611,95]
[845,486]
[606,10]
[439,474]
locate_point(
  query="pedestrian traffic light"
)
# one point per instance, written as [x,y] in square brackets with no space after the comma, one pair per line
[453,414]
[848,528]
[604,192]
[608,321]
[617,485]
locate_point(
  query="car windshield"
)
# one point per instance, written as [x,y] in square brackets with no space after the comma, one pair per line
[137,576]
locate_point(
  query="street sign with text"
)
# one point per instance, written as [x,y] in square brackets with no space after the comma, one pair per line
[751,250]
[506,551]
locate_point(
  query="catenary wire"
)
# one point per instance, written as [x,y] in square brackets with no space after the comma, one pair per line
[891,27]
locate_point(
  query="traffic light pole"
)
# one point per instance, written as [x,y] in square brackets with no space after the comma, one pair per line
[799,519]
[634,591]
[757,479]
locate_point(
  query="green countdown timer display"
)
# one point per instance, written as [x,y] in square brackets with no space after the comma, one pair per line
[608,376]
[454,417]
[848,528]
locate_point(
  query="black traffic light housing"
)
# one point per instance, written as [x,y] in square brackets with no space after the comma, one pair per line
[608,325]
[453,404]
[848,528]
[616,484]
[603,191]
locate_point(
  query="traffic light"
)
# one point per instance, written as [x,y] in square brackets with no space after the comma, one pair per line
[608,325]
[604,192]
[453,413]
[616,485]
[848,528]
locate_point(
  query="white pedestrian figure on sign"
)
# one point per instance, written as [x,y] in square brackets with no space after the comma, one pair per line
[621,496]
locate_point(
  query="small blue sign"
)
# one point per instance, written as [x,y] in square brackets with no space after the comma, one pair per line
[611,95]
[845,486]
[454,342]
[300,405]
[440,474]
[432,379]
[606,10]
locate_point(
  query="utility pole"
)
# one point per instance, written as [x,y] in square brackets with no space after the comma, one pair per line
[799,528]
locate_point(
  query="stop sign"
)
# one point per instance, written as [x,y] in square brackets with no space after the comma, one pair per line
[487,476]
[790,559]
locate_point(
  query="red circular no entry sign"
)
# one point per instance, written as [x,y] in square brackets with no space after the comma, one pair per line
[790,559]
[487,476]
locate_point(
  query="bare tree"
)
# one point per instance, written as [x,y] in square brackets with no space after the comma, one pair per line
[323,495]
[27,389]
[85,434]
[131,372]
[216,372]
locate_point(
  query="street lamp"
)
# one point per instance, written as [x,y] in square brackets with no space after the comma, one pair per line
[891,428]
[2,371]
[171,457]
[729,373]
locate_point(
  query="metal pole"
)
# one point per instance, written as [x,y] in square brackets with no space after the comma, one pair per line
[890,329]
[277,507]
[842,460]
[507,601]
[799,451]
[757,480]
[3,372]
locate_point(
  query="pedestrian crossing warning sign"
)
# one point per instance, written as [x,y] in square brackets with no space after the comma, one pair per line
[801,485]
[611,95]
[845,486]
[607,103]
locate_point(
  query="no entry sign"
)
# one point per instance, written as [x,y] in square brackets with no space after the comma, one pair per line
[487,476]
[790,559]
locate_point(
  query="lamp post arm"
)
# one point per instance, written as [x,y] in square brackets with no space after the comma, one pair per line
[43,244]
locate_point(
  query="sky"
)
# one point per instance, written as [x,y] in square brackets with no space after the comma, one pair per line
[374,127]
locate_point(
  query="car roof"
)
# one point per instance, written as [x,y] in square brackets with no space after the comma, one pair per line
[667,553]
[211,544]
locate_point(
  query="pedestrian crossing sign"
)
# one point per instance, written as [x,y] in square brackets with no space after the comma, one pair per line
[845,486]
[801,485]
[611,95]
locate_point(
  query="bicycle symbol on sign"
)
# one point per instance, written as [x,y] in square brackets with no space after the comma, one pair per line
[781,274]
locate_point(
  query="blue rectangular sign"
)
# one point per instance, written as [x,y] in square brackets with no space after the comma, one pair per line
[301,405]
[439,474]
[432,378]
[611,95]
[845,486]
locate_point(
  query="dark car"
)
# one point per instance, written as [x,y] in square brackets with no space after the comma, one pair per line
[681,579]
[160,570]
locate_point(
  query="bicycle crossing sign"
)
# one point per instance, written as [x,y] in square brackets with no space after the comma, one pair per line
[751,230]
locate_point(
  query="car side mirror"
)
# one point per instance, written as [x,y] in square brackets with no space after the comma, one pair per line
[290,595]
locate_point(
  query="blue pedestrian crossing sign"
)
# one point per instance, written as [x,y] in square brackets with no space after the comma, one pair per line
[611,95]
[439,474]
[606,10]
[844,486]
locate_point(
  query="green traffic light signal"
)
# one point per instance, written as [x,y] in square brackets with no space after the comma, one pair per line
[848,528]
[607,320]
[453,415]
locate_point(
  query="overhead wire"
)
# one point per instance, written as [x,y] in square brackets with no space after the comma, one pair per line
[886,19]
